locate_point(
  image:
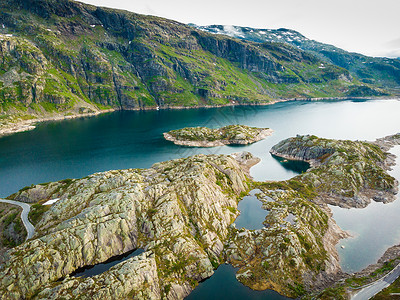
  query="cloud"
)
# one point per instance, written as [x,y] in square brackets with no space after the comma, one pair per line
[394,43]
[150,11]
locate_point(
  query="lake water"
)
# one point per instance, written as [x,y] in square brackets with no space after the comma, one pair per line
[101,268]
[252,215]
[120,140]
[223,285]
[374,229]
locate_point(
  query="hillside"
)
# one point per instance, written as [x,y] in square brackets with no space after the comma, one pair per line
[67,58]
[381,71]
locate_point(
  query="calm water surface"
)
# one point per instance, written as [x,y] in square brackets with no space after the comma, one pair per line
[76,148]
[252,215]
[223,285]
[120,140]
[101,268]
[374,229]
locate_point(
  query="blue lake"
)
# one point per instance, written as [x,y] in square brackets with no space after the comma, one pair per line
[120,140]
[374,229]
[252,215]
[223,285]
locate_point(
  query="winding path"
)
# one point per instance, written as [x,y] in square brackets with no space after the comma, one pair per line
[24,216]
[375,287]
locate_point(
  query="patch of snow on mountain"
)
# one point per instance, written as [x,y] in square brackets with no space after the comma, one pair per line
[232,31]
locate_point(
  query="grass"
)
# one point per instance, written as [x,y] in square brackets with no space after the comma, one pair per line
[36,213]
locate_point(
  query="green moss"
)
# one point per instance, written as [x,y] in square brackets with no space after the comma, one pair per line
[298,289]
[37,211]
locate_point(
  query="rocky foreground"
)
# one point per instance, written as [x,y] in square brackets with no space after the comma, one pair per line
[344,173]
[227,135]
[181,213]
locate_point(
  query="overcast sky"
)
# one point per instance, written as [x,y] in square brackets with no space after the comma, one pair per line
[371,27]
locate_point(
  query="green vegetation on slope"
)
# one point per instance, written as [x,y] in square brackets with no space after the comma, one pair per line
[68,58]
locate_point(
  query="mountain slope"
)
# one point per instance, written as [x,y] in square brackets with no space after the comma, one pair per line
[383,72]
[65,57]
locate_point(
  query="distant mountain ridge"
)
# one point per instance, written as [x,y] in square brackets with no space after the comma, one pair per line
[383,72]
[68,58]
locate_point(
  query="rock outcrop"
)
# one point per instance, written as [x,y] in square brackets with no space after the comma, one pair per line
[178,211]
[181,213]
[227,135]
[344,173]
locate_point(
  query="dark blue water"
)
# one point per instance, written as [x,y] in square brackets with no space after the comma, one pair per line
[120,140]
[297,166]
[252,215]
[101,268]
[77,148]
[223,285]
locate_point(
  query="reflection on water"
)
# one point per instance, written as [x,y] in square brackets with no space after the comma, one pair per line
[374,229]
[101,268]
[129,139]
[252,215]
[223,285]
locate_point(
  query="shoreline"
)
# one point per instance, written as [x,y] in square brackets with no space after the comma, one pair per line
[27,125]
[262,134]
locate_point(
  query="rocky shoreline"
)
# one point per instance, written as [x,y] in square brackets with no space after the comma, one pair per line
[181,213]
[26,125]
[359,169]
[206,137]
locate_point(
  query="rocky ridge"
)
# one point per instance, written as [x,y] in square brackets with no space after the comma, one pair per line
[178,211]
[382,71]
[227,135]
[344,173]
[61,58]
[181,213]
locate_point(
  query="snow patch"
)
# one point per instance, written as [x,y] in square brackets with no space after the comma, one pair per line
[52,201]
[232,31]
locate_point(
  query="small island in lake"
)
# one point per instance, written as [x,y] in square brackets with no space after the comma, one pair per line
[227,135]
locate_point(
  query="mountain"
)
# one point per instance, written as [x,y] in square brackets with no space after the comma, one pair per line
[381,71]
[66,58]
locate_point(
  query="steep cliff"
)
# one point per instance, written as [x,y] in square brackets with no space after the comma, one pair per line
[381,71]
[65,57]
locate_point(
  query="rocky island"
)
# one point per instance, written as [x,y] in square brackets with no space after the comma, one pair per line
[181,213]
[227,135]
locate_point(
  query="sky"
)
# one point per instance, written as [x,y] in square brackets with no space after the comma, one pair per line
[370,27]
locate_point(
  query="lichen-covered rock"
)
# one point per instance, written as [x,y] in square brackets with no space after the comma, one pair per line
[295,250]
[227,135]
[178,210]
[181,213]
[138,275]
[345,173]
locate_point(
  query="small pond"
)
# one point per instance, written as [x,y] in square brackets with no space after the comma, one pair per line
[223,285]
[252,215]
[90,271]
